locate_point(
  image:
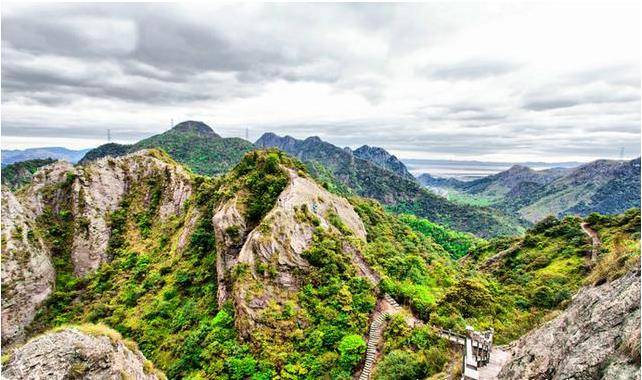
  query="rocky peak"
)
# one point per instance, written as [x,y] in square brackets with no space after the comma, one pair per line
[191,126]
[277,243]
[383,159]
[272,140]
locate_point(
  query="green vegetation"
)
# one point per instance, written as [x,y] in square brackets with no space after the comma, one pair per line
[19,174]
[260,178]
[411,353]
[620,251]
[160,286]
[414,268]
[462,198]
[457,243]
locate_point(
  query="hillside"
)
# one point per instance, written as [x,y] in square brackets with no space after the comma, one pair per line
[10,156]
[191,143]
[263,273]
[398,194]
[19,173]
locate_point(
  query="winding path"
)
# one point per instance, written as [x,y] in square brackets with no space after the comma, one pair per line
[595,251]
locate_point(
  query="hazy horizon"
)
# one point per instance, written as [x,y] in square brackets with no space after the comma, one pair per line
[425,81]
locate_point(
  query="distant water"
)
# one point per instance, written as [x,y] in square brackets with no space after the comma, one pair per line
[470,170]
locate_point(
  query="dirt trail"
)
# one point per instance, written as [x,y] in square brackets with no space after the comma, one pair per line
[595,251]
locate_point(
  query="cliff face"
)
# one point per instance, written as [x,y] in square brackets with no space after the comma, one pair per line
[597,336]
[27,271]
[74,354]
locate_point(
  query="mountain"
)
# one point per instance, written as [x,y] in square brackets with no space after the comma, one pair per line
[383,159]
[398,193]
[264,273]
[603,186]
[192,143]
[261,272]
[19,173]
[497,185]
[11,156]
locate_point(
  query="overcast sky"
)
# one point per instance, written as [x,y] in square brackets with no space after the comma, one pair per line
[453,81]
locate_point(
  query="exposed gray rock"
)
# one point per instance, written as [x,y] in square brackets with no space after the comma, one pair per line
[27,272]
[597,336]
[98,189]
[72,354]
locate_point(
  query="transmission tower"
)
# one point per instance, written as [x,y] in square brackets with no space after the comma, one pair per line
[247,133]
[108,135]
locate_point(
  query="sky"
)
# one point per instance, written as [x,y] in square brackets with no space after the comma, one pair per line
[494,82]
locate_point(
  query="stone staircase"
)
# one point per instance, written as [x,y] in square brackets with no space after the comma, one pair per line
[374,336]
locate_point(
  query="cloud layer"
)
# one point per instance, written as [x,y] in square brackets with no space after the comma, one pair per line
[463,81]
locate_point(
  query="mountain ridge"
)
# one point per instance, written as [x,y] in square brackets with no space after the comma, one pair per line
[367,179]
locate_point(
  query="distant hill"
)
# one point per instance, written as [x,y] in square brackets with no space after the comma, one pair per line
[500,184]
[192,143]
[57,153]
[383,159]
[430,181]
[604,186]
[400,194]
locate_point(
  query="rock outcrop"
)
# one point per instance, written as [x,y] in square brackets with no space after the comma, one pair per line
[271,252]
[597,336]
[74,354]
[97,189]
[27,271]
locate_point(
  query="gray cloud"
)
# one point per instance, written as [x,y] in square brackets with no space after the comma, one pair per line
[409,77]
[468,70]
